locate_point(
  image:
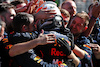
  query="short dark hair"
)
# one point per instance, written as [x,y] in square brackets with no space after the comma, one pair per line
[4,7]
[85,16]
[21,19]
[16,2]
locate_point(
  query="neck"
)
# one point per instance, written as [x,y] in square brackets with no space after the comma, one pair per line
[76,36]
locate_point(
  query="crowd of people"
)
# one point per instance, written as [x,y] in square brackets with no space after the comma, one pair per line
[39,33]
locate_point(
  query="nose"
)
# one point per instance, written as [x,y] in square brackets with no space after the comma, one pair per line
[74,26]
[11,18]
[74,11]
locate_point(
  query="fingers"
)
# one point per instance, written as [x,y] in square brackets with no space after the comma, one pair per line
[31,7]
[46,38]
[96,10]
[95,48]
[28,11]
[50,38]
[42,31]
[48,11]
[21,9]
[50,42]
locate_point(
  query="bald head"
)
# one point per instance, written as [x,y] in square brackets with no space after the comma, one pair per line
[70,6]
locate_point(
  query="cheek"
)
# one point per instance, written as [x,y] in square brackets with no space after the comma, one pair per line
[79,29]
[32,28]
[71,26]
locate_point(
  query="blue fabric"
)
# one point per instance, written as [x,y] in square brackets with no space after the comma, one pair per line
[84,43]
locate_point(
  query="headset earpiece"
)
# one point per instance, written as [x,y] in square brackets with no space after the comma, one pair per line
[0,28]
[25,28]
[86,27]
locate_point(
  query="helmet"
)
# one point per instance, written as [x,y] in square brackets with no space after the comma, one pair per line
[54,22]
[51,6]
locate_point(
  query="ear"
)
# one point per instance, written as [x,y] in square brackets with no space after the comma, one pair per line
[24,28]
[2,18]
[86,27]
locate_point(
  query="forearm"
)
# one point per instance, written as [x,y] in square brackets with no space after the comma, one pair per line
[21,48]
[76,61]
[79,52]
[90,27]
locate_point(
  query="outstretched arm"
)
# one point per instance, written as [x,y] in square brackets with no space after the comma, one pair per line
[21,48]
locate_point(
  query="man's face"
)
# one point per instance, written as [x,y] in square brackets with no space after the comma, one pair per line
[31,27]
[70,7]
[9,16]
[77,25]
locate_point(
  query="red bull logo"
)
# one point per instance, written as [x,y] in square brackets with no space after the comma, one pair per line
[55,52]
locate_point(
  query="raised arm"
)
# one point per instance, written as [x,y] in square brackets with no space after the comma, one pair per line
[95,14]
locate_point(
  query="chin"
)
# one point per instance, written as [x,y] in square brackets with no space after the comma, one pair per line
[74,32]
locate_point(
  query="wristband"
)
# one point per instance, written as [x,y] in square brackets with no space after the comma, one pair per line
[93,17]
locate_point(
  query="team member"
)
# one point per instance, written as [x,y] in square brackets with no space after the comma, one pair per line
[56,54]
[23,32]
[2,59]
[78,25]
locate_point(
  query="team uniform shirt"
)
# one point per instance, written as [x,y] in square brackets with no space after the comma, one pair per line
[23,60]
[6,60]
[83,43]
[54,55]
[96,62]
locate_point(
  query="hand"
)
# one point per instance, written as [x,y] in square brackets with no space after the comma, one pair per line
[46,38]
[95,48]
[45,14]
[29,8]
[96,10]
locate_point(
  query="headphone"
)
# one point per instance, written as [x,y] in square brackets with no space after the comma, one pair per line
[86,27]
[0,28]
[25,28]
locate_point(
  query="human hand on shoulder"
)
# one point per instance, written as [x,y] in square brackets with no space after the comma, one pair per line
[29,8]
[45,14]
[46,38]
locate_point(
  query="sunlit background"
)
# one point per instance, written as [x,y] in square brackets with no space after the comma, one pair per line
[82,5]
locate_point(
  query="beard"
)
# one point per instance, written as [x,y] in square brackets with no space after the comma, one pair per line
[9,28]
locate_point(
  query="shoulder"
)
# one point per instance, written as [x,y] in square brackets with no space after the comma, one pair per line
[19,37]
